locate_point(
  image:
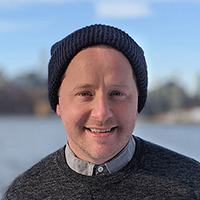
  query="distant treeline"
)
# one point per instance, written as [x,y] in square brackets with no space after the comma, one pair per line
[28,94]
[170,97]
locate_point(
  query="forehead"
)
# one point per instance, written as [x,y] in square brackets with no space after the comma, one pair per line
[98,66]
[98,57]
[99,61]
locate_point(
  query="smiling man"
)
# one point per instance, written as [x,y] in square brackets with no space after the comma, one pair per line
[98,85]
[98,103]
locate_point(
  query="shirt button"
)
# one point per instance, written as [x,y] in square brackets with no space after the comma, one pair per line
[100,169]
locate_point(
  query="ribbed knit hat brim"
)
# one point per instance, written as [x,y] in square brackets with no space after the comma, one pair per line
[64,51]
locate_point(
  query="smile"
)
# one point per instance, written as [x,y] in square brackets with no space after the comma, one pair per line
[100,131]
[95,130]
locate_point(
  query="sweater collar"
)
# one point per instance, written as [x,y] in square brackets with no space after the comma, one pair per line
[113,165]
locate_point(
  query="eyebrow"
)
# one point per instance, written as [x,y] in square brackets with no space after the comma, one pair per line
[82,86]
[120,85]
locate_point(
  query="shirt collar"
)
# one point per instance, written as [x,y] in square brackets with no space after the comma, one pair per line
[113,165]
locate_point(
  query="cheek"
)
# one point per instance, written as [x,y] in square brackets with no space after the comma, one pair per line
[72,115]
[127,115]
[128,109]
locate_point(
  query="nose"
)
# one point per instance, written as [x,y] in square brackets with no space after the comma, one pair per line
[101,109]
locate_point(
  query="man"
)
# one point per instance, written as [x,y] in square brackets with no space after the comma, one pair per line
[98,85]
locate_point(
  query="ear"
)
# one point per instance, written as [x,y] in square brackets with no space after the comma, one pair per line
[58,110]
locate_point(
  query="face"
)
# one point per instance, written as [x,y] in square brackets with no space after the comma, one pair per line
[98,103]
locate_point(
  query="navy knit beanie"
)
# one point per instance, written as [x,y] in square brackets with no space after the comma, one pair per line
[64,51]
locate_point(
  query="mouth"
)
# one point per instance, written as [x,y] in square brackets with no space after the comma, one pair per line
[98,130]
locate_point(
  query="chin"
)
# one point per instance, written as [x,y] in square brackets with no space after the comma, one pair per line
[104,154]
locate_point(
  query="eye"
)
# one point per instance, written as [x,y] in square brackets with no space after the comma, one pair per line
[84,94]
[117,93]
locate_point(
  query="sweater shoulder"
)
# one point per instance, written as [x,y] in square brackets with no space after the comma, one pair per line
[155,158]
[43,171]
[49,163]
[158,152]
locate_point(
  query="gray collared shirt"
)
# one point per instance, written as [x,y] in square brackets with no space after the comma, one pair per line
[113,165]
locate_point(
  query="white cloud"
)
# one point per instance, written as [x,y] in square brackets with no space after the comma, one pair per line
[6,2]
[13,26]
[129,8]
[104,8]
[7,27]
[16,4]
[113,2]
[122,9]
[28,1]
[12,4]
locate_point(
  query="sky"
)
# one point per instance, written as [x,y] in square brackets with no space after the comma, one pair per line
[167,30]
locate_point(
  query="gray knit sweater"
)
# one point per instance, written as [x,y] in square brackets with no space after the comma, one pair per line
[153,173]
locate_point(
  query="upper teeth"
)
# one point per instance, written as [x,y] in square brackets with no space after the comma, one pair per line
[100,131]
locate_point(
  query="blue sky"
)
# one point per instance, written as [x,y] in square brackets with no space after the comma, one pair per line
[167,30]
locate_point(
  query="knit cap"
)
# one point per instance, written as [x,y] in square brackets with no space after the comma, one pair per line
[64,51]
